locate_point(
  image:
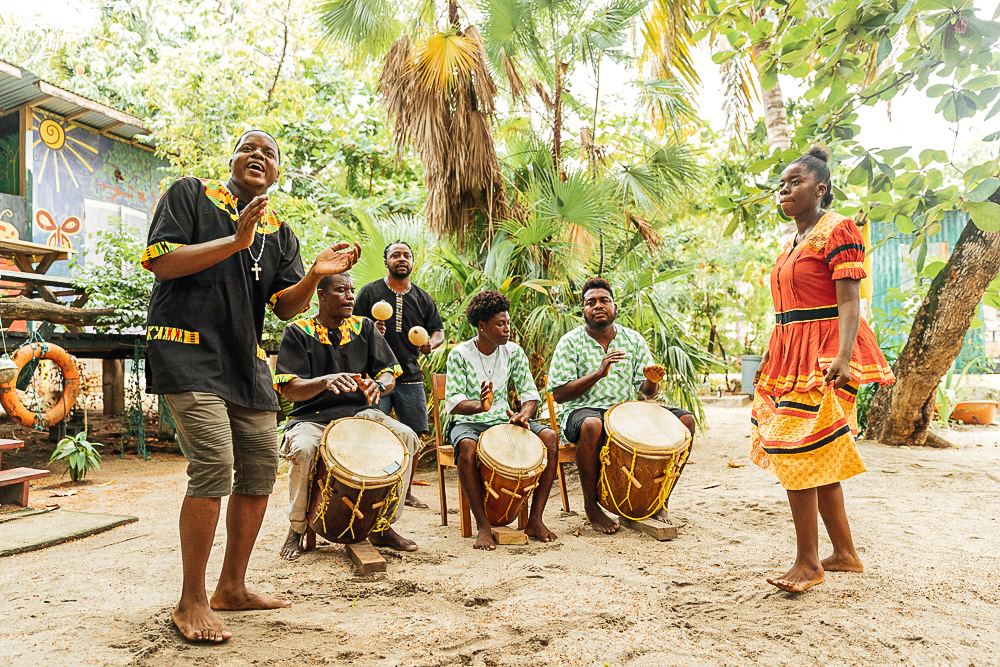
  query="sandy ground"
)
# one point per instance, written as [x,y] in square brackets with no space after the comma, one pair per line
[925,521]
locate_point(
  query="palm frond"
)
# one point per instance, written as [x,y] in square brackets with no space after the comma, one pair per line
[368,26]
[444,60]
[668,37]
[742,94]
[671,103]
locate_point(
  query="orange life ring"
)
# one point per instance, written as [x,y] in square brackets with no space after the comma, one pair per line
[71,385]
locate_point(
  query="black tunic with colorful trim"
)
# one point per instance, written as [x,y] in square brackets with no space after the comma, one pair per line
[310,350]
[204,330]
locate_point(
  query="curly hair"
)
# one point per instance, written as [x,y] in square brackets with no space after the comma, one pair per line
[816,160]
[596,283]
[485,305]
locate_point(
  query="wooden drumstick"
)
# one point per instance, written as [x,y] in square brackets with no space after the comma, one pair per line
[629,475]
[357,512]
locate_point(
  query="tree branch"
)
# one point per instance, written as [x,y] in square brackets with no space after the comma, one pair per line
[21,308]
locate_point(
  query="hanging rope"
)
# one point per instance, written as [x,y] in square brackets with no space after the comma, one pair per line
[133,416]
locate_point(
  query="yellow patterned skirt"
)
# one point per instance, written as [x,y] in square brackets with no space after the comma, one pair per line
[807,438]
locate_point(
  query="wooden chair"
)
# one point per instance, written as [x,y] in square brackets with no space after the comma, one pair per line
[567,450]
[446,459]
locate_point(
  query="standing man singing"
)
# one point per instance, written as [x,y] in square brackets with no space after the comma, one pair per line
[220,254]
[411,307]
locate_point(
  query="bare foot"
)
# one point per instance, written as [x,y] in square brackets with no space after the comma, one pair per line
[661,515]
[843,563]
[484,540]
[198,623]
[798,579]
[413,501]
[599,520]
[537,529]
[292,548]
[393,540]
[244,599]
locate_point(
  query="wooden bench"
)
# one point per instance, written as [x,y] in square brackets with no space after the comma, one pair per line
[34,280]
[14,482]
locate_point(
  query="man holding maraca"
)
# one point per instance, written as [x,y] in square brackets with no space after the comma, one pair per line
[408,318]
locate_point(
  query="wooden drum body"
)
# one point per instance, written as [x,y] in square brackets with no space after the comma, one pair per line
[356,479]
[510,460]
[646,449]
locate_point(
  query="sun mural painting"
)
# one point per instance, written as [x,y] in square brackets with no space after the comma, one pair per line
[57,142]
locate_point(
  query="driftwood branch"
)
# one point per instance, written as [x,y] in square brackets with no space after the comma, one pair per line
[21,308]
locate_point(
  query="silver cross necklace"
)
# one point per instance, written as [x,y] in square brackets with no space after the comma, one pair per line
[263,240]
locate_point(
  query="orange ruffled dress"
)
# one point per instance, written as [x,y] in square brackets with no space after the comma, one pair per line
[802,430]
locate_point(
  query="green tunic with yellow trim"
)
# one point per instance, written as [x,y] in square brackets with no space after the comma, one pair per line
[204,330]
[309,350]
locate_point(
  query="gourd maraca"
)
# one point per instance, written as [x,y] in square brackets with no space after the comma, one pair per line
[382,311]
[418,336]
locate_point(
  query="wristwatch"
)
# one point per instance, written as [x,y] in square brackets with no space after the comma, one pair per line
[381,387]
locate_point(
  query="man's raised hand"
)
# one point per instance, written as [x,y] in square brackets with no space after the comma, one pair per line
[486,396]
[337,259]
[654,373]
[612,357]
[371,391]
[246,226]
[518,419]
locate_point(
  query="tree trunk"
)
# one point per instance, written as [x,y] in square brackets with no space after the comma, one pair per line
[775,117]
[901,413]
[557,123]
[21,308]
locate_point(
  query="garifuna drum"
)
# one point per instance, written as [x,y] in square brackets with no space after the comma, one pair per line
[510,460]
[646,450]
[356,480]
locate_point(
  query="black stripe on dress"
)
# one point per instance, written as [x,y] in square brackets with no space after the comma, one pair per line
[843,430]
[841,248]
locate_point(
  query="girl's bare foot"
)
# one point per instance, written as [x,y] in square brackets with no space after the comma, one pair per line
[484,540]
[244,600]
[198,623]
[843,563]
[798,579]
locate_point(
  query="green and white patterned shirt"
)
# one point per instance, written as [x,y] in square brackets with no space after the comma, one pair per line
[578,355]
[468,368]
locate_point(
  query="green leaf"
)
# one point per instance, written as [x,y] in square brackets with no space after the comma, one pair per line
[983,191]
[938,89]
[982,82]
[995,136]
[985,214]
[892,154]
[976,323]
[921,257]
[884,49]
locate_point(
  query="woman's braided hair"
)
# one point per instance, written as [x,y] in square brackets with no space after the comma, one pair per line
[816,160]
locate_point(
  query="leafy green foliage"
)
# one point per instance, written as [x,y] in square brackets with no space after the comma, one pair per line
[116,279]
[78,455]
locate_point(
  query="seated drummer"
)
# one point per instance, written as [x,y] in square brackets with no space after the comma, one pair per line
[478,374]
[316,362]
[594,367]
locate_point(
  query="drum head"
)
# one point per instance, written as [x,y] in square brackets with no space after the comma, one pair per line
[510,448]
[363,448]
[645,427]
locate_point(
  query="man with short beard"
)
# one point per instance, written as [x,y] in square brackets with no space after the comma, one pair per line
[221,254]
[411,307]
[594,367]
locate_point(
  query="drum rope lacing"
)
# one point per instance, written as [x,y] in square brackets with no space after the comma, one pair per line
[489,486]
[666,486]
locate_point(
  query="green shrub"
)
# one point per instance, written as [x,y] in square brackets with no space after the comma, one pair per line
[78,455]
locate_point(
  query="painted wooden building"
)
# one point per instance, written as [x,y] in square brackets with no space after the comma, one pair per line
[70,166]
[893,266]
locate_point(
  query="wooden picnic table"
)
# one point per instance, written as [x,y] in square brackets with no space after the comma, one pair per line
[33,261]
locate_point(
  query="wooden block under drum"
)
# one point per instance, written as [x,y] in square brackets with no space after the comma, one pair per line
[655,529]
[367,559]
[505,535]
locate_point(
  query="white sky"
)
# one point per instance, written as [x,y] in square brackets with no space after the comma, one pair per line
[913,121]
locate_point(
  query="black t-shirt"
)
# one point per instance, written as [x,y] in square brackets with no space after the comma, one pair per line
[310,350]
[415,308]
[204,330]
